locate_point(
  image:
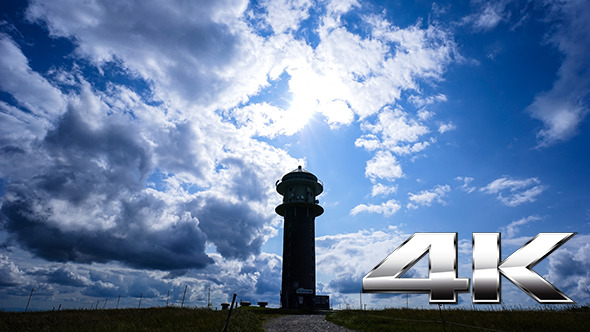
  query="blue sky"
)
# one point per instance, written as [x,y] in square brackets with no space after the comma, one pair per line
[140,142]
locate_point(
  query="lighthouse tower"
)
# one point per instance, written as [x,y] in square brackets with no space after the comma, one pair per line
[299,208]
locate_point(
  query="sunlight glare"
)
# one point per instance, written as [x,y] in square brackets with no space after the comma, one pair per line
[315,93]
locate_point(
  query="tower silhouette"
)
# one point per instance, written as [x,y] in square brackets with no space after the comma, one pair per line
[299,208]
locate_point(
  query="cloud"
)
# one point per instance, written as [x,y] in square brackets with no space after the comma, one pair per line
[407,149]
[346,284]
[179,246]
[338,78]
[394,127]
[488,19]
[149,177]
[341,6]
[30,89]
[10,274]
[85,184]
[380,189]
[396,60]
[383,166]
[426,197]
[562,108]
[565,105]
[234,228]
[68,276]
[425,114]
[145,189]
[73,284]
[512,229]
[488,15]
[420,101]
[569,268]
[559,115]
[350,256]
[395,131]
[189,51]
[285,15]
[466,181]
[518,191]
[388,208]
[444,127]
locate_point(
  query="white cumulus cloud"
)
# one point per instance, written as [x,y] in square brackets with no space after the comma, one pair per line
[387,209]
[380,189]
[383,165]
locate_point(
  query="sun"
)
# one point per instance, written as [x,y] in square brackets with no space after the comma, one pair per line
[298,114]
[315,92]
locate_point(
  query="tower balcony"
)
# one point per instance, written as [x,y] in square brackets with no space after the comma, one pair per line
[299,188]
[316,208]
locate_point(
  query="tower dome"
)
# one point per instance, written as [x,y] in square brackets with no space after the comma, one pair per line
[299,187]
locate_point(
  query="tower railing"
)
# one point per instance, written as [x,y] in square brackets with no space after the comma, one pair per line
[280,181]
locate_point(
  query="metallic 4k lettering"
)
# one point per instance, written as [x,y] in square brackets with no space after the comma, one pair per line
[443,284]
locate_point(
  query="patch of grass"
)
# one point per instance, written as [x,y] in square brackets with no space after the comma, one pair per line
[575,319]
[150,319]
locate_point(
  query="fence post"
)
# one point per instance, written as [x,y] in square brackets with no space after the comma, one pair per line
[229,314]
[361,299]
[29,301]
[183,295]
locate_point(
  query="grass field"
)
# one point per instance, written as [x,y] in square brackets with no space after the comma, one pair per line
[573,319]
[150,319]
[253,318]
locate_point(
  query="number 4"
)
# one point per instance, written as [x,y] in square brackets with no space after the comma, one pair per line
[442,283]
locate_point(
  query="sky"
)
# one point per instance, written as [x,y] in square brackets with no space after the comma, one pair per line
[140,143]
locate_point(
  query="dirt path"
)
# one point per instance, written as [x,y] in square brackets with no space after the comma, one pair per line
[302,323]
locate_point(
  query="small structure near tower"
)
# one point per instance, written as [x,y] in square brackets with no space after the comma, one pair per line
[299,208]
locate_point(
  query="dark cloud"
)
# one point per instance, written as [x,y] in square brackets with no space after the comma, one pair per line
[183,139]
[175,274]
[85,203]
[346,284]
[264,273]
[247,182]
[234,228]
[66,277]
[80,196]
[104,290]
[179,246]
[564,264]
[269,269]
[109,160]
